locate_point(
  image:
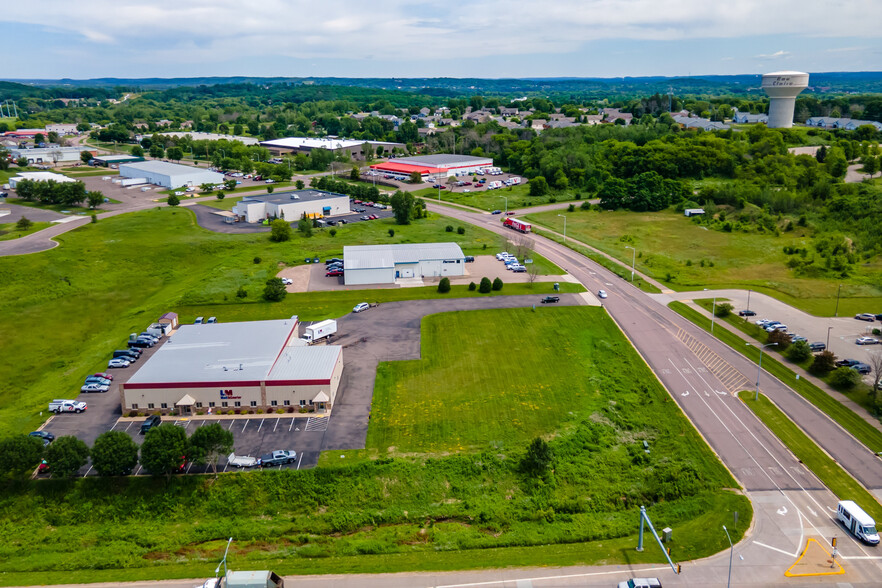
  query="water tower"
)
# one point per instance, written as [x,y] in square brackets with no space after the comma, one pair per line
[783,87]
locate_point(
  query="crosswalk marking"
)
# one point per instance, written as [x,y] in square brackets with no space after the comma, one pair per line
[732,379]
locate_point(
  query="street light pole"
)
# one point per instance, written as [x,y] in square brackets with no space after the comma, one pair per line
[565,226]
[731,553]
[633,260]
[713,314]
[827,347]
[748,300]
[506,203]
[838,292]
[760,367]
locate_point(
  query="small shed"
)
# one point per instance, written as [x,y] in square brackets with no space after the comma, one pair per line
[690,212]
[169,318]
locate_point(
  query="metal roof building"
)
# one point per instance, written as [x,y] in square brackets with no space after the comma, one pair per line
[385,264]
[291,205]
[354,147]
[439,166]
[228,366]
[39,176]
[169,175]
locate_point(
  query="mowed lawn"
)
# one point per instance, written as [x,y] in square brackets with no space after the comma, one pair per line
[518,197]
[669,243]
[502,377]
[65,310]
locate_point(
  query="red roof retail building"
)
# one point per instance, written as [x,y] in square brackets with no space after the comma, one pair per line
[441,166]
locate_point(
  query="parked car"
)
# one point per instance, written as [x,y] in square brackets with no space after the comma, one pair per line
[518,268]
[496,212]
[45,436]
[763,322]
[333,260]
[211,320]
[846,363]
[154,420]
[865,316]
[104,375]
[94,388]
[287,281]
[797,338]
[334,273]
[361,306]
[469,258]
[867,341]
[550,299]
[97,380]
[746,313]
[641,583]
[141,343]
[776,327]
[241,461]
[818,346]
[601,294]
[118,362]
[198,320]
[277,457]
[862,368]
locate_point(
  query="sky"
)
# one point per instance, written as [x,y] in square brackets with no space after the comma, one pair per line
[427,38]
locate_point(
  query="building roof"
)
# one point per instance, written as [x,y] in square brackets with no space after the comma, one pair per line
[319,143]
[405,168]
[43,176]
[285,197]
[444,160]
[117,158]
[217,353]
[386,256]
[305,363]
[164,167]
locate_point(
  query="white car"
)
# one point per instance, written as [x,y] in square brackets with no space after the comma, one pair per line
[95,388]
[601,294]
[867,341]
[179,193]
[361,306]
[641,583]
[287,281]
[118,362]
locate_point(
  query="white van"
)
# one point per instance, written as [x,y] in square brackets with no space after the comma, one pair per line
[858,523]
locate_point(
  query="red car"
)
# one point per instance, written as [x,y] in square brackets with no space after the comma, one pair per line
[510,212]
[334,273]
[104,375]
[356,201]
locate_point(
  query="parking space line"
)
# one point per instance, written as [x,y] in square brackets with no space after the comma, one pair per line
[87,471]
[189,465]
[291,426]
[246,424]
[129,426]
[139,470]
[277,424]
[230,428]
[260,426]
[299,459]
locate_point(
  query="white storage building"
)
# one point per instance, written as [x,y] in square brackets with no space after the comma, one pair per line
[39,176]
[169,175]
[384,264]
[291,205]
[228,366]
[49,154]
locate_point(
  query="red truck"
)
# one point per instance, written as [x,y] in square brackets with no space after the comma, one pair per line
[517,225]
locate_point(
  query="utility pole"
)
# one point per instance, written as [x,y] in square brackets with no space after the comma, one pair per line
[838,292]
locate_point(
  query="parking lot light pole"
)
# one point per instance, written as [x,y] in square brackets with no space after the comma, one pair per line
[633,260]
[565,226]
[827,347]
[759,368]
[748,300]
[713,314]
[731,553]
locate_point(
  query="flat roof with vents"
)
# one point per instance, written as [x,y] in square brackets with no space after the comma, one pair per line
[386,256]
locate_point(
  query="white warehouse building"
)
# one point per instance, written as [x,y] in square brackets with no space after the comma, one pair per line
[291,206]
[49,154]
[384,264]
[169,175]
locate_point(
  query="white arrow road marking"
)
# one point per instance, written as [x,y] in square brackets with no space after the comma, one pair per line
[782,511]
[686,393]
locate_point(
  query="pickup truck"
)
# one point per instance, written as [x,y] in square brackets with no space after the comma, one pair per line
[550,299]
[59,406]
[278,457]
[241,461]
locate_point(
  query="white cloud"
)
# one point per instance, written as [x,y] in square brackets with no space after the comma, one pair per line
[775,55]
[409,30]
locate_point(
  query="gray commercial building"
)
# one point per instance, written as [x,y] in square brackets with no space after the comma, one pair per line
[384,264]
[169,175]
[291,206]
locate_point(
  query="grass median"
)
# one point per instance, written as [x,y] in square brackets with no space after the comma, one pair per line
[847,419]
[813,457]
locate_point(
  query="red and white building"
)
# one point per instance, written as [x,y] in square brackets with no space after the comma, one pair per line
[433,167]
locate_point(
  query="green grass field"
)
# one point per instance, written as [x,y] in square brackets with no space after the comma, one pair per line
[106,280]
[426,505]
[82,210]
[813,457]
[518,197]
[669,243]
[9,230]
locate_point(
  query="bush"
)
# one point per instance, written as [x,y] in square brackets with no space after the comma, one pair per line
[94,218]
[173,200]
[391,232]
[280,231]
[585,205]
[799,352]
[221,195]
[497,284]
[333,232]
[241,292]
[539,459]
[823,363]
[449,228]
[485,286]
[24,223]
[723,310]
[444,285]
[257,260]
[781,338]
[844,378]
[275,290]
[472,286]
[571,208]
[460,231]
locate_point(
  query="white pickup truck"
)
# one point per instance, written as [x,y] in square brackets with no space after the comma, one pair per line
[241,461]
[58,406]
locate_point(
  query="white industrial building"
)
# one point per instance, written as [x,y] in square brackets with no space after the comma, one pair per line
[49,154]
[229,366]
[384,264]
[291,206]
[437,167]
[62,129]
[169,175]
[355,148]
[39,176]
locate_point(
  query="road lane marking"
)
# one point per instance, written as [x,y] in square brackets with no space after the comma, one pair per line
[299,459]
[639,572]
[775,549]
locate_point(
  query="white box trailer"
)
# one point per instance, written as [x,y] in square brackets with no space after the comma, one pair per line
[313,333]
[132,181]
[858,522]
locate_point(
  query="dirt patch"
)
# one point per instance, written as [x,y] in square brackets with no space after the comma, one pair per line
[299,274]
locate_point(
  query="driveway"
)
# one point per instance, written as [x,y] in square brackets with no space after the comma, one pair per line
[38,215]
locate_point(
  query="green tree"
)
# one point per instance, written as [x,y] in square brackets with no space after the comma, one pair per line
[781,338]
[444,285]
[823,363]
[21,162]
[208,443]
[539,459]
[275,290]
[538,186]
[486,286]
[66,455]
[156,151]
[304,225]
[723,310]
[230,184]
[270,189]
[844,378]
[173,200]
[114,454]
[20,454]
[86,157]
[402,207]
[138,151]
[94,198]
[220,195]
[798,352]
[164,450]
[241,292]
[871,166]
[353,173]
[39,138]
[299,184]
[24,223]
[280,231]
[416,177]
[497,284]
